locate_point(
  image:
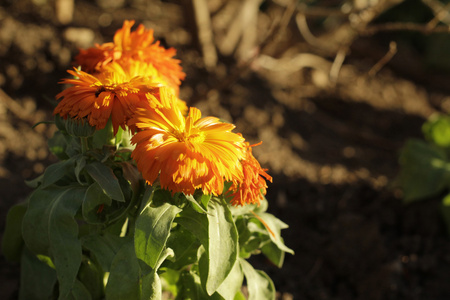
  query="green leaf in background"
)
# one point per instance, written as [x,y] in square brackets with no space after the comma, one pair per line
[37,279]
[105,247]
[222,246]
[49,228]
[93,199]
[190,288]
[58,145]
[424,170]
[123,281]
[445,211]
[106,179]
[152,231]
[437,130]
[260,286]
[12,241]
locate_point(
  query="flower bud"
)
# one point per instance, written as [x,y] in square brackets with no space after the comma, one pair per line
[79,127]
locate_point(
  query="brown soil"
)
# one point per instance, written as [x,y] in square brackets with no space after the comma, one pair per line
[331,145]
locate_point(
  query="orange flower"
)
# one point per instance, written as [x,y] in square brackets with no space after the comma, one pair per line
[187,153]
[136,45]
[115,93]
[253,186]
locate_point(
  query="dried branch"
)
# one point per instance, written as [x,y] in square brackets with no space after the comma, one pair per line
[384,60]
[373,29]
[205,34]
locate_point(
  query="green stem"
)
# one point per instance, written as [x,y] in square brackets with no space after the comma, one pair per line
[84,144]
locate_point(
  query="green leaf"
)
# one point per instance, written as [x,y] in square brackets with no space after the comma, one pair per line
[55,172]
[184,245]
[437,130]
[217,233]
[424,170]
[151,283]
[91,277]
[12,241]
[274,254]
[37,279]
[260,286]
[233,283]
[152,230]
[195,204]
[123,281]
[105,247]
[194,222]
[79,292]
[49,228]
[80,163]
[247,209]
[275,225]
[222,246]
[93,199]
[58,144]
[189,287]
[106,179]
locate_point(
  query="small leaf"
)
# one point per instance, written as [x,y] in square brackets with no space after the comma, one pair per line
[425,170]
[274,226]
[195,204]
[12,241]
[55,172]
[79,292]
[123,281]
[106,179]
[274,254]
[152,230]
[260,286]
[58,144]
[91,277]
[80,163]
[437,130]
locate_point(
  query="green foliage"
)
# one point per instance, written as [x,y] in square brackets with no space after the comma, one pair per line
[425,165]
[92,230]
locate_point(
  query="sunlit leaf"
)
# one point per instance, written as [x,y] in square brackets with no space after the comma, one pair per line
[152,231]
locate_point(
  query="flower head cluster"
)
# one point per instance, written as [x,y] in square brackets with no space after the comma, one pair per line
[128,46]
[134,83]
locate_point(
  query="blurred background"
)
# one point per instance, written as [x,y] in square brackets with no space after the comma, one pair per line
[333,89]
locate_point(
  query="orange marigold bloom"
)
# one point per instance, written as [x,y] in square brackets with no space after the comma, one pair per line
[114,93]
[134,45]
[187,153]
[253,186]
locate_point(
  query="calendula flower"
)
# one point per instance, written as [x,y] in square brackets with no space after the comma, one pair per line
[114,93]
[253,186]
[187,153]
[137,45]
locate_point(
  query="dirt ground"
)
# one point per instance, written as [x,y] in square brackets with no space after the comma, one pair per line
[332,123]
